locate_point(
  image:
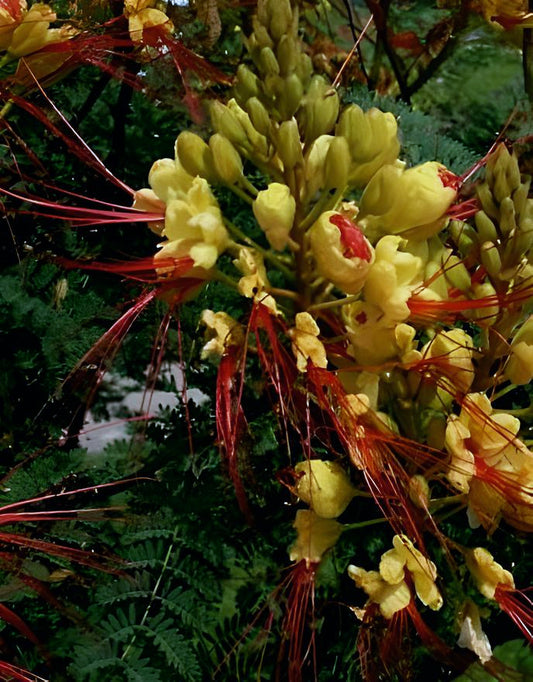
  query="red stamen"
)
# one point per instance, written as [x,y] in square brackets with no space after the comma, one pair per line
[352,238]
[518,606]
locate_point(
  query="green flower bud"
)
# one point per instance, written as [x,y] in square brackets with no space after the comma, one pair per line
[289,96]
[253,137]
[289,146]
[258,115]
[268,62]
[315,161]
[195,156]
[246,84]
[490,259]
[464,236]
[287,53]
[507,216]
[226,159]
[373,141]
[337,163]
[226,122]
[457,274]
[520,197]
[320,109]
[487,202]
[274,209]
[486,229]
[280,19]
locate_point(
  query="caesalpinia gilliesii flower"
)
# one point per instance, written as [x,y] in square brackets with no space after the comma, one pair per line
[519,366]
[411,203]
[324,486]
[141,14]
[388,588]
[24,31]
[490,464]
[193,225]
[452,353]
[342,253]
[507,13]
[222,331]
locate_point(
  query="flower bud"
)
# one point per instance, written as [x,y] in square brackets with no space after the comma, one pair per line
[419,491]
[225,121]
[246,84]
[315,160]
[274,209]
[519,366]
[490,259]
[341,252]
[287,53]
[507,216]
[456,273]
[373,141]
[337,164]
[226,159]
[486,229]
[320,109]
[268,63]
[253,137]
[258,116]
[195,156]
[289,97]
[280,19]
[289,146]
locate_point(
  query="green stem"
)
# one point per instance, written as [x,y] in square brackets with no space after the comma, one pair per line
[267,255]
[241,193]
[363,524]
[326,202]
[337,303]
[220,276]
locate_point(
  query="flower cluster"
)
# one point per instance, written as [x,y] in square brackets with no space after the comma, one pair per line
[401,317]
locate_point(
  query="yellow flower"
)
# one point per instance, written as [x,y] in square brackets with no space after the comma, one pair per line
[341,252]
[411,203]
[222,331]
[24,31]
[487,573]
[274,209]
[305,343]
[393,276]
[194,227]
[490,464]
[141,15]
[324,486]
[315,536]
[388,587]
[507,13]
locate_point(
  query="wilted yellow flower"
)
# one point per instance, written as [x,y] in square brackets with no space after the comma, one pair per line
[315,536]
[341,252]
[373,141]
[519,366]
[305,343]
[388,587]
[411,203]
[222,331]
[487,573]
[274,209]
[472,636]
[324,486]
[254,282]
